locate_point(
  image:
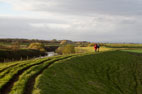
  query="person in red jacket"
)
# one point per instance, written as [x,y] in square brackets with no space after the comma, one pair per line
[95,47]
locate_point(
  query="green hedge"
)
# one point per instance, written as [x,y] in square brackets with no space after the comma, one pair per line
[9,55]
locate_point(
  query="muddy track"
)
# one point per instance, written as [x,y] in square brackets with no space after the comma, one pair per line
[113,82]
[8,86]
[8,67]
[9,71]
[135,78]
[136,54]
[4,74]
[30,84]
[136,73]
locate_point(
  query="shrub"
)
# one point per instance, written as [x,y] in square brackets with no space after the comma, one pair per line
[4,47]
[9,55]
[67,49]
[15,46]
[37,46]
[91,44]
[59,50]
[63,42]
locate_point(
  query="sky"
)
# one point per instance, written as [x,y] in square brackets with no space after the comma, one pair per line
[77,20]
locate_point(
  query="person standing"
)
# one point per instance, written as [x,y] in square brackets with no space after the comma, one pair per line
[95,47]
[98,47]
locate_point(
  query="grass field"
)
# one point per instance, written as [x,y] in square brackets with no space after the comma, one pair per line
[122,45]
[110,72]
[113,72]
[134,50]
[16,77]
[90,49]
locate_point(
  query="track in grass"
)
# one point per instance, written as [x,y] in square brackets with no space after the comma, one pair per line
[136,54]
[7,87]
[31,81]
[8,71]
[8,67]
[107,73]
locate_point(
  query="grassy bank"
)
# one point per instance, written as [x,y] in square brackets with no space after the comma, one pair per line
[121,45]
[114,72]
[134,50]
[90,49]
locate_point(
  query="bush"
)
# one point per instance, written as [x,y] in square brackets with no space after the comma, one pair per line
[63,42]
[91,44]
[15,46]
[68,49]
[10,55]
[4,47]
[37,46]
[59,50]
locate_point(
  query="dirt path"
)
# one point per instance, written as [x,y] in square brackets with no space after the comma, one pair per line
[31,81]
[9,71]
[8,67]
[137,54]
[8,86]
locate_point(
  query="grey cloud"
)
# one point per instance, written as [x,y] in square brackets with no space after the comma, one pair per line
[22,28]
[91,20]
[88,7]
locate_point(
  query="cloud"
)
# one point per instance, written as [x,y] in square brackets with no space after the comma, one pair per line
[92,20]
[83,28]
[86,7]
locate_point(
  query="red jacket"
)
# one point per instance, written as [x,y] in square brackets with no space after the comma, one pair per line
[95,46]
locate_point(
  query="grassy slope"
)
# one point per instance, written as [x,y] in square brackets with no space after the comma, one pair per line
[10,72]
[113,72]
[8,64]
[20,85]
[119,45]
[90,49]
[134,50]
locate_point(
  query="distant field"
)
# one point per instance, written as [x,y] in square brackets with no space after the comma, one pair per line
[90,49]
[120,45]
[134,50]
[103,49]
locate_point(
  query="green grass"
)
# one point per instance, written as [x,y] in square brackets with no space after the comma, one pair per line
[114,72]
[14,70]
[121,45]
[8,64]
[91,49]
[20,85]
[134,50]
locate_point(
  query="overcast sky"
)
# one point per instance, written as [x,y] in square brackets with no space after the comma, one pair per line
[88,20]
